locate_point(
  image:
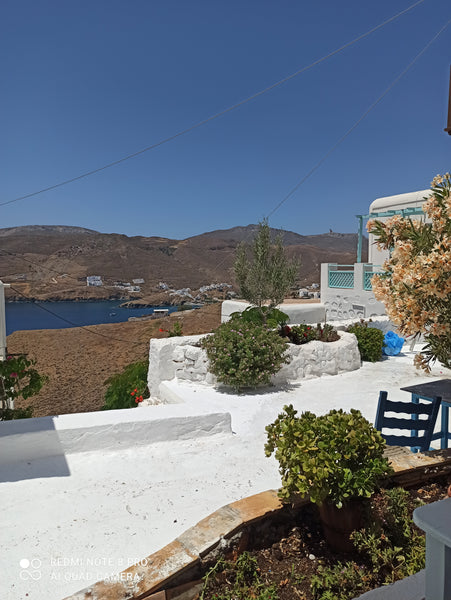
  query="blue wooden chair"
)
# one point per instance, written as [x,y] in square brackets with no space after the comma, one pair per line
[420,430]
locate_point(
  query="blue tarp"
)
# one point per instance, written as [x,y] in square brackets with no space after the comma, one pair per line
[392,344]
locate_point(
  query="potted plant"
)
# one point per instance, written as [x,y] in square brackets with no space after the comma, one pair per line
[336,459]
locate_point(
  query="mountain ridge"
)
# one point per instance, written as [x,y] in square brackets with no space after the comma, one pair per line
[51,262]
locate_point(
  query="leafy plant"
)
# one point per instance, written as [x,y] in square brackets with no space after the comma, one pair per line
[176,330]
[266,276]
[415,285]
[333,457]
[369,339]
[126,389]
[18,379]
[390,549]
[326,333]
[239,581]
[342,581]
[298,334]
[302,334]
[243,354]
[272,317]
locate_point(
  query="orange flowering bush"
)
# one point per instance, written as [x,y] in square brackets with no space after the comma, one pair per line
[415,285]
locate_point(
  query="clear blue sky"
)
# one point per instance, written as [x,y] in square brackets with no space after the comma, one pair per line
[87,82]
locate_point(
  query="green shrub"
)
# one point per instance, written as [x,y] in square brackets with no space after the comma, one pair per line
[369,339]
[239,580]
[273,317]
[243,354]
[126,389]
[302,334]
[334,457]
[18,379]
[390,549]
[10,414]
[342,581]
[326,333]
[176,330]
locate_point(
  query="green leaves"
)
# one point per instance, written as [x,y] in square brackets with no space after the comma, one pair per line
[370,341]
[124,388]
[18,379]
[416,283]
[336,456]
[267,275]
[244,354]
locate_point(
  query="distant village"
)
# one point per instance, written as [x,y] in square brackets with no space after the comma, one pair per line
[135,286]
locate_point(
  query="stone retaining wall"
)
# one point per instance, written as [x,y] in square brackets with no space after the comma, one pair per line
[179,358]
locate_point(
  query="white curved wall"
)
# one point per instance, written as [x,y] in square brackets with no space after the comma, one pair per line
[177,358]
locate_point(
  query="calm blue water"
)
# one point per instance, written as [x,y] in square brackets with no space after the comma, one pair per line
[34,315]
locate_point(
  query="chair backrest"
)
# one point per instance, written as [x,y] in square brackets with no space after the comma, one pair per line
[421,430]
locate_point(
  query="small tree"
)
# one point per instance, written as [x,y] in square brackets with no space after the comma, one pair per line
[18,379]
[269,274]
[416,283]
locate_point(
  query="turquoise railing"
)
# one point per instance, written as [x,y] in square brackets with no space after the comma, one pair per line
[339,278]
[367,275]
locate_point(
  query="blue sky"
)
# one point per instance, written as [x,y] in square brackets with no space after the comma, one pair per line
[86,83]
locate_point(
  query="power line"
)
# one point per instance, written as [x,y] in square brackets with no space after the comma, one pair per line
[220,113]
[75,324]
[312,170]
[351,129]
[296,187]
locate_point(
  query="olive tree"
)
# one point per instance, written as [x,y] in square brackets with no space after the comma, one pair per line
[263,271]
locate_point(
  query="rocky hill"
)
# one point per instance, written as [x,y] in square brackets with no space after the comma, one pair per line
[52,262]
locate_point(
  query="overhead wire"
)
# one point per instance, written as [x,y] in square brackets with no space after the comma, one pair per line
[78,326]
[359,120]
[350,130]
[295,188]
[218,114]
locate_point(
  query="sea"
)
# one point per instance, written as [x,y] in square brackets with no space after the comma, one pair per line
[61,315]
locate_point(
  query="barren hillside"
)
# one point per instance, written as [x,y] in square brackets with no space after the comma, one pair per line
[79,360]
[52,262]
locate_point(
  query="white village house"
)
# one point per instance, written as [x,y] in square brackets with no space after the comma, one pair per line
[346,289]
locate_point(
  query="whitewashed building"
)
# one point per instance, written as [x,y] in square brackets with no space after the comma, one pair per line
[346,289]
[94,281]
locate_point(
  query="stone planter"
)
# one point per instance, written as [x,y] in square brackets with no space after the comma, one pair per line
[179,358]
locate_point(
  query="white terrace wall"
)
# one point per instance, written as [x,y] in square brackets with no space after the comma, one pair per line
[177,358]
[310,312]
[43,437]
[355,299]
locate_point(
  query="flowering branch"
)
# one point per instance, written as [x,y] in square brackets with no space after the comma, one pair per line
[416,283]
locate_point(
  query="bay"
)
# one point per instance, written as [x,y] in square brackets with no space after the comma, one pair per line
[55,315]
